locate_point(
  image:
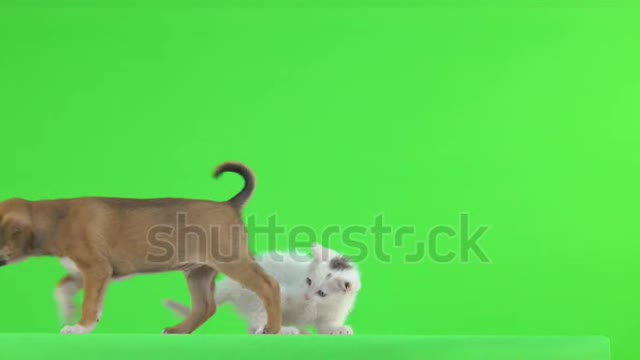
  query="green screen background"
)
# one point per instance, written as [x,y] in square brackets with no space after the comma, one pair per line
[525,117]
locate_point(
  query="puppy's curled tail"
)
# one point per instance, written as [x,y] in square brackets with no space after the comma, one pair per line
[240,200]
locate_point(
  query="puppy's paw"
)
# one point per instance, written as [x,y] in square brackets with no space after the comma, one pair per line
[289,330]
[343,330]
[76,329]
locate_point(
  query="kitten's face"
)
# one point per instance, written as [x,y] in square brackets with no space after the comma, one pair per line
[331,276]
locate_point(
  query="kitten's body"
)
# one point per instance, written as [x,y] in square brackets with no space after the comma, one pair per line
[302,304]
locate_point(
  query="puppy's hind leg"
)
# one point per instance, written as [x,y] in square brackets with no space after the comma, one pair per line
[203,306]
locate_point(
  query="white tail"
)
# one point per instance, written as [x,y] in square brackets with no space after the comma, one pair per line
[221,296]
[178,309]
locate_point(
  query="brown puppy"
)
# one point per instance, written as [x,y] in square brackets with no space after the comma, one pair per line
[107,239]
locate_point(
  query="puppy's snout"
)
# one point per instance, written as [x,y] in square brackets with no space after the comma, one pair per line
[3,262]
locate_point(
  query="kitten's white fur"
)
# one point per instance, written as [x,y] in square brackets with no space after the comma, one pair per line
[302,304]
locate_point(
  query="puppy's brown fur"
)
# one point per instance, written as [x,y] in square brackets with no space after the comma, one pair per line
[113,238]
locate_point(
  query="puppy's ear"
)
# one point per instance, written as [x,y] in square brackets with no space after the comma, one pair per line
[19,229]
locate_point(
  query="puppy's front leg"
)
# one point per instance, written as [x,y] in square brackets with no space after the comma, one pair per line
[95,281]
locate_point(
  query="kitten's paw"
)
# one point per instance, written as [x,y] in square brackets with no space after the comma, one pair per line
[76,329]
[289,330]
[263,330]
[343,330]
[260,331]
[173,331]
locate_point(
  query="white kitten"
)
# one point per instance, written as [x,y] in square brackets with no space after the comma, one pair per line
[317,292]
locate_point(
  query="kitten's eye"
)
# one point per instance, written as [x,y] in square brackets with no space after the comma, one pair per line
[347,285]
[321,293]
[309,281]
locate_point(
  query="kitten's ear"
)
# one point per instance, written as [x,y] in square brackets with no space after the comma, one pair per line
[318,251]
[345,285]
[321,253]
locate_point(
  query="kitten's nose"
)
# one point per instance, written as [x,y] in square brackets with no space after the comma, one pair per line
[306,297]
